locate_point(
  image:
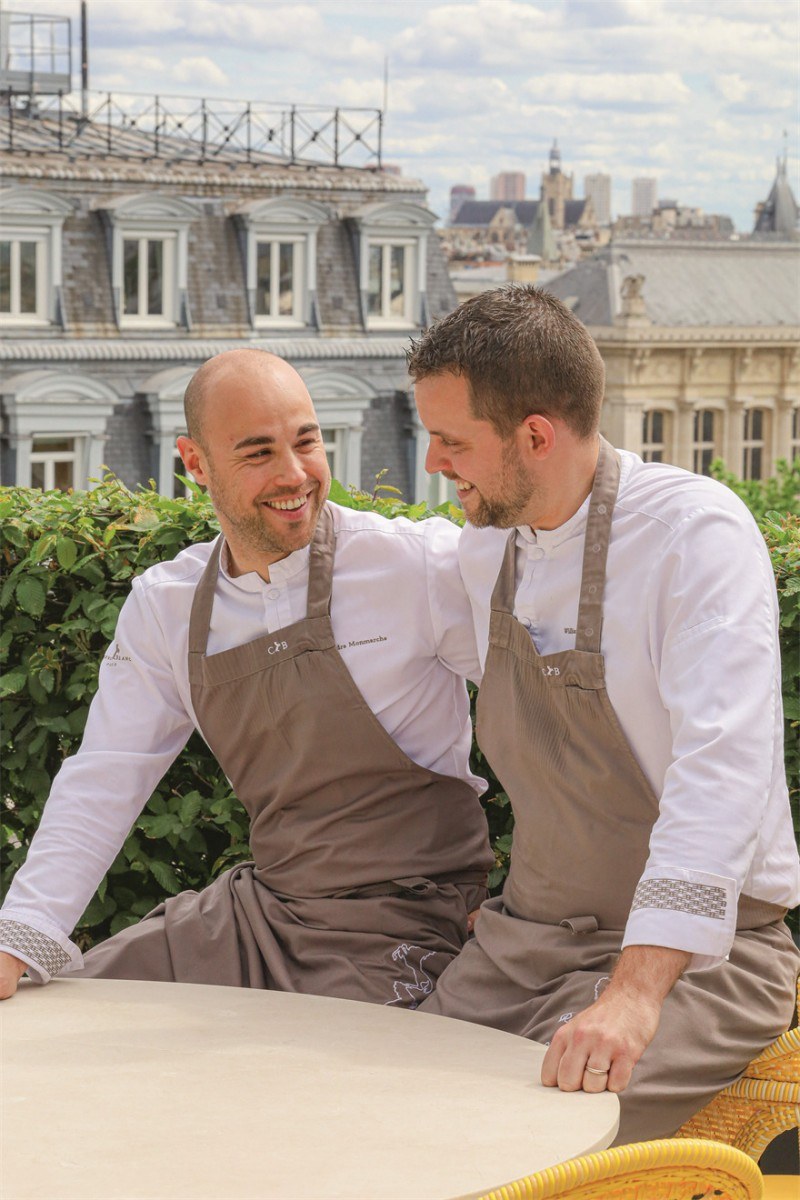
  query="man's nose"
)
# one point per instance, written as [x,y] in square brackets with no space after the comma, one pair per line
[435,460]
[291,469]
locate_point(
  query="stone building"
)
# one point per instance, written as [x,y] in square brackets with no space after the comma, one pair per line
[131,252]
[701,343]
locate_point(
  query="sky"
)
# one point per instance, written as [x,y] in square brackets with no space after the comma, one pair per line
[700,94]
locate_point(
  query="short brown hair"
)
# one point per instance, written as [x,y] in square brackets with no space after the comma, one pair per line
[521,351]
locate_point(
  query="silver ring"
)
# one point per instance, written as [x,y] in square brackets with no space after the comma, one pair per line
[596,1070]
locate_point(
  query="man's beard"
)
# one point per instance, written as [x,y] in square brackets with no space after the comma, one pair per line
[252,531]
[516,488]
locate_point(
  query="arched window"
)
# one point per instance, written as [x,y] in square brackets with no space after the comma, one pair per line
[654,435]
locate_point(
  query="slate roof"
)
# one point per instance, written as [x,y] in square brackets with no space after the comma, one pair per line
[481,212]
[780,212]
[712,283]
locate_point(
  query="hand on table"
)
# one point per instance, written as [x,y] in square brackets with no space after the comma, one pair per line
[611,1035]
[11,968]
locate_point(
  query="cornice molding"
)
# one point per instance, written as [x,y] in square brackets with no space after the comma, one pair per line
[119,350]
[705,337]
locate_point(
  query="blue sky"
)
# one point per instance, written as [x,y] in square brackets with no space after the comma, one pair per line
[697,93]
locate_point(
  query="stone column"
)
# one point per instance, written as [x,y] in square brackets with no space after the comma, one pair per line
[684,434]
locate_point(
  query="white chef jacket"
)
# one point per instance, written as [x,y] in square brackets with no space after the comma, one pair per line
[402,625]
[690,642]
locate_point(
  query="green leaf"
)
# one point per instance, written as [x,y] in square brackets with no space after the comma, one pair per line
[165,876]
[191,805]
[66,552]
[31,595]
[340,495]
[12,682]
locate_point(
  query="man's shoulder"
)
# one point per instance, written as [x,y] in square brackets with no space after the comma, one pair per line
[185,568]
[666,495]
[368,528]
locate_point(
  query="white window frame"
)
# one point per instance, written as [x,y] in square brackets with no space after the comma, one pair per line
[751,443]
[151,217]
[50,458]
[50,404]
[144,238]
[30,215]
[651,445]
[386,317]
[396,223]
[283,221]
[699,445]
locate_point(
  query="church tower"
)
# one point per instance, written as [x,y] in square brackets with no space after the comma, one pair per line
[556,187]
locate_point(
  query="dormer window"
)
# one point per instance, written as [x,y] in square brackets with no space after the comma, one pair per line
[30,256]
[148,242]
[393,252]
[279,242]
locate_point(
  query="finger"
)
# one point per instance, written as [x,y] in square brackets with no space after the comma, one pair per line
[472,919]
[550,1064]
[595,1079]
[620,1074]
[571,1069]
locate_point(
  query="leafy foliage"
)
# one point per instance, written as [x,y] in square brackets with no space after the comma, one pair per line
[67,564]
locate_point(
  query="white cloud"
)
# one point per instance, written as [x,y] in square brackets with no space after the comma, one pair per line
[198,73]
[607,88]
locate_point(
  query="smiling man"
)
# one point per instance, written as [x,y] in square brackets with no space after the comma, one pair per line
[626,621]
[319,651]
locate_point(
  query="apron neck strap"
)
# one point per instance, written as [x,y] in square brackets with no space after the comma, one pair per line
[595,553]
[320,565]
[595,549]
[203,602]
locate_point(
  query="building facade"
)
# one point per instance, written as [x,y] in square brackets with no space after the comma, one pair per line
[124,265]
[701,343]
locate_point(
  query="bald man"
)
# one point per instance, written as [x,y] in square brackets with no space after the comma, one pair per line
[319,651]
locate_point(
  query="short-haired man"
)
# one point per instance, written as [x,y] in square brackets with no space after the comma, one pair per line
[630,705]
[316,649]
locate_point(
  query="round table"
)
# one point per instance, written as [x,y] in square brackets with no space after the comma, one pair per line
[121,1090]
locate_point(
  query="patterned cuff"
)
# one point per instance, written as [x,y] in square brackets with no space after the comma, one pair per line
[40,949]
[682,896]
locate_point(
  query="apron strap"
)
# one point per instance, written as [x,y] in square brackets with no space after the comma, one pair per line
[595,549]
[202,604]
[595,553]
[320,565]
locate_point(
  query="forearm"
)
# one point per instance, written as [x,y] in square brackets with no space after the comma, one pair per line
[646,974]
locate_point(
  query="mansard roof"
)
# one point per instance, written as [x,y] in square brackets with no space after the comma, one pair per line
[743,283]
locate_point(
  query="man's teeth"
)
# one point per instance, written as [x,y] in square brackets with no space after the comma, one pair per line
[462,486]
[297,502]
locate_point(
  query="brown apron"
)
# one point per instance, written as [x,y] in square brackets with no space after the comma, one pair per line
[366,864]
[584,811]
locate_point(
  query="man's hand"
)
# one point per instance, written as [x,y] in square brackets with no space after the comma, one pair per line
[11,968]
[598,1049]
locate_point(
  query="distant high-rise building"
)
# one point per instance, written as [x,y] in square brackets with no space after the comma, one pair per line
[458,194]
[644,196]
[597,188]
[508,185]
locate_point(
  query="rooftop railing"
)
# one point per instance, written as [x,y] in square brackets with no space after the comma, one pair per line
[187,129]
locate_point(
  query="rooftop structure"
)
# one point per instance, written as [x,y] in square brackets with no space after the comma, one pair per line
[779,213]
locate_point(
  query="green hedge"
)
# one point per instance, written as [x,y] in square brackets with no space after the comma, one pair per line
[67,563]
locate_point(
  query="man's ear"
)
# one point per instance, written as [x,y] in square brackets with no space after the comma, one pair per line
[193,459]
[539,435]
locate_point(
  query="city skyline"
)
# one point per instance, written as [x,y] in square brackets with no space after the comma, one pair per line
[702,99]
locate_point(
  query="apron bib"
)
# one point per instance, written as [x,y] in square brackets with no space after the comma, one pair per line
[365,863]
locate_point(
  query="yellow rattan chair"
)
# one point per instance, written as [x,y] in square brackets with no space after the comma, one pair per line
[764,1103]
[661,1170]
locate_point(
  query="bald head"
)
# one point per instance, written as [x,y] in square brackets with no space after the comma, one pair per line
[206,388]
